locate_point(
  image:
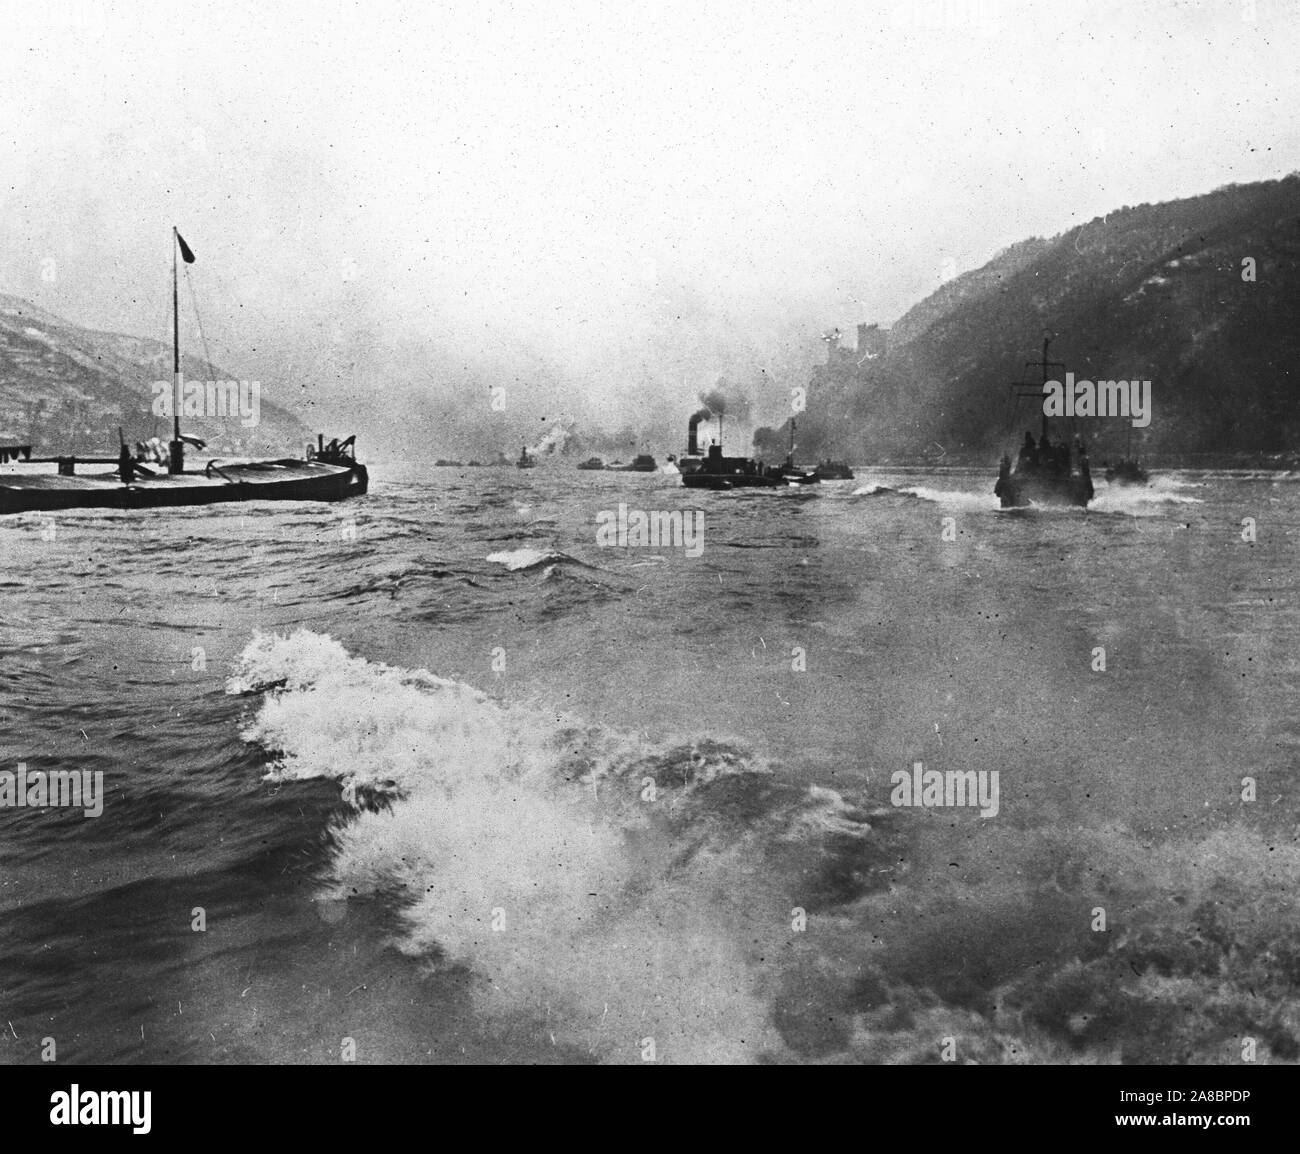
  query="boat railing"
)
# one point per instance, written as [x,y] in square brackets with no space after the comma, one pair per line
[336,452]
[212,467]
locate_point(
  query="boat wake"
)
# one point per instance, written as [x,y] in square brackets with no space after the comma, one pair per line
[949,498]
[1143,500]
[952,498]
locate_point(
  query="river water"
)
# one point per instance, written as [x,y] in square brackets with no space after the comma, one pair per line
[435,776]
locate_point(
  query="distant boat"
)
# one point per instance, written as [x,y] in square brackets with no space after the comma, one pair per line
[791,472]
[328,472]
[643,463]
[526,461]
[1127,471]
[592,463]
[1044,473]
[834,471]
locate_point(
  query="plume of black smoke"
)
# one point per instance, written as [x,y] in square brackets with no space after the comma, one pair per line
[723,400]
[769,443]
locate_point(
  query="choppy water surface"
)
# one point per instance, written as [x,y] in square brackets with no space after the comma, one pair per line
[448,779]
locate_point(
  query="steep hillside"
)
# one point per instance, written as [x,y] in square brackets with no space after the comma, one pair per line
[67,389]
[1155,292]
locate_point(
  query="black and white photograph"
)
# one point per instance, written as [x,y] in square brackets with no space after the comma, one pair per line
[650,534]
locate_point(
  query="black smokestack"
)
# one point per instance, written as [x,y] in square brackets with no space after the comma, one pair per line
[692,444]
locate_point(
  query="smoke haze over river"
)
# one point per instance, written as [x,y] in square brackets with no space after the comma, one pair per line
[602,212]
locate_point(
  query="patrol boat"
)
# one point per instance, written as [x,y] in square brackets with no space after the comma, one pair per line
[1045,473]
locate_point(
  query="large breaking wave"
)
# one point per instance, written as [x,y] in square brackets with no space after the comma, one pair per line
[607,885]
[611,889]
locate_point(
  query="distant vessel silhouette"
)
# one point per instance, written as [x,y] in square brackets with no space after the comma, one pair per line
[834,471]
[791,472]
[642,463]
[1127,471]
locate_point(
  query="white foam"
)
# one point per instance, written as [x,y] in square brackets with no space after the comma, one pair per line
[952,498]
[523,558]
[1141,500]
[491,816]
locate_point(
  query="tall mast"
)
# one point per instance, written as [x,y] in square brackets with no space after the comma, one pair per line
[1046,341]
[1035,388]
[177,462]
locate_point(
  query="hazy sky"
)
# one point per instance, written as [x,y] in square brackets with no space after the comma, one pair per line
[601,205]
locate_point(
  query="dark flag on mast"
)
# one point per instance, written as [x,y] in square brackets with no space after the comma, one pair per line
[186,255]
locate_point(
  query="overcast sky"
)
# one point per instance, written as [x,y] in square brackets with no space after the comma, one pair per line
[593,201]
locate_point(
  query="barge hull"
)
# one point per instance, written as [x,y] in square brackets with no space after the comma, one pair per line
[283,480]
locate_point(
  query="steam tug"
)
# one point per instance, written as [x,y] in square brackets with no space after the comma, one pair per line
[714,471]
[692,459]
[1045,473]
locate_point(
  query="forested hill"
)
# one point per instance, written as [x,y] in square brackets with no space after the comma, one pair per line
[67,389]
[1161,292]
